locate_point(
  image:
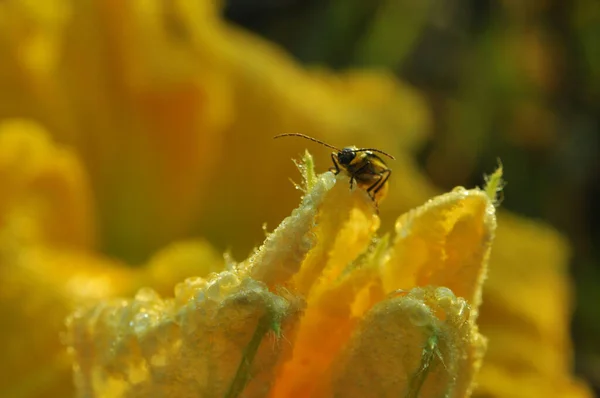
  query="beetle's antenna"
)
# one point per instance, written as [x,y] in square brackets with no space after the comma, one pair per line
[375,150]
[308,138]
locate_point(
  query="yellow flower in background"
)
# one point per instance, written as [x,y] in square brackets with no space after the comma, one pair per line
[165,98]
[526,314]
[140,123]
[47,267]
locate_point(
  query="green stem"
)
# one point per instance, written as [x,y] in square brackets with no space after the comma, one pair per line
[242,375]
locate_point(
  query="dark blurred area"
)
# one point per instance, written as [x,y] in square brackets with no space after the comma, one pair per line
[514,80]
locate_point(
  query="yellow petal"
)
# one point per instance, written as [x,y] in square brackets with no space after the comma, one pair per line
[444,243]
[178,261]
[38,289]
[45,197]
[344,229]
[217,337]
[35,31]
[401,348]
[525,313]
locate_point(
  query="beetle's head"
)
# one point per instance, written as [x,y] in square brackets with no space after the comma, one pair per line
[346,155]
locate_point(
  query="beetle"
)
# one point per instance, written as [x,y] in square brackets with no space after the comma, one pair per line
[362,165]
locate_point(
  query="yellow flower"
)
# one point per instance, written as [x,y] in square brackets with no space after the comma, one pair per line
[324,308]
[142,122]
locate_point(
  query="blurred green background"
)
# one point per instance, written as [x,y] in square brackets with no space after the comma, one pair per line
[515,80]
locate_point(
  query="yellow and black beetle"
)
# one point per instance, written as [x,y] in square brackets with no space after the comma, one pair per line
[361,164]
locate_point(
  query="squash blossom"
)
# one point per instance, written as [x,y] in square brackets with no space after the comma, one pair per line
[121,124]
[324,308]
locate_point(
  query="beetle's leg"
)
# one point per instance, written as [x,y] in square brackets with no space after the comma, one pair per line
[381,182]
[377,185]
[335,164]
[372,190]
